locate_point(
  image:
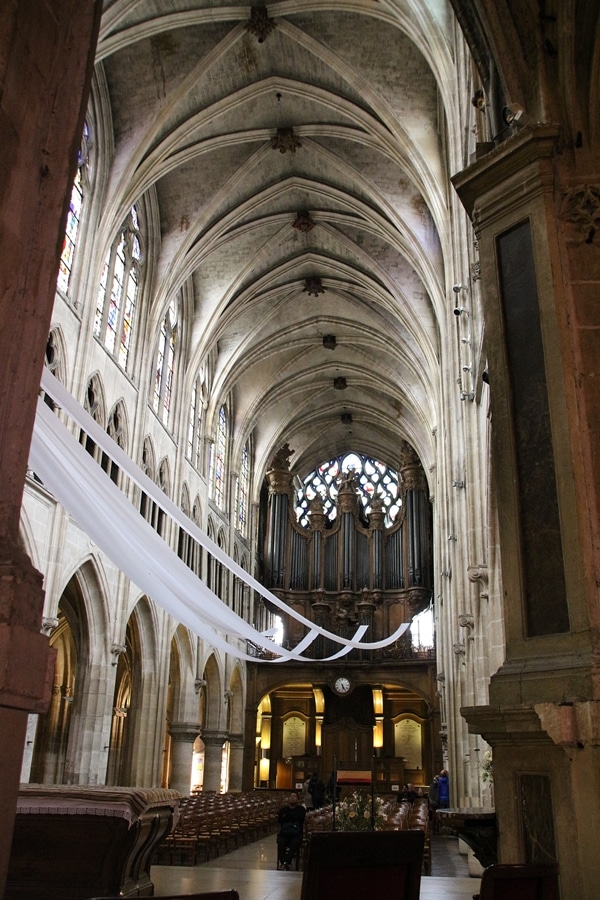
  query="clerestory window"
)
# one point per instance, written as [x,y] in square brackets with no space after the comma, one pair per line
[220,459]
[74,217]
[194,433]
[118,293]
[243,489]
[164,365]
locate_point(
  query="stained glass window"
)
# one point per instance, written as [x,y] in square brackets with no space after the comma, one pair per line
[243,490]
[374,480]
[74,215]
[220,459]
[119,284]
[164,365]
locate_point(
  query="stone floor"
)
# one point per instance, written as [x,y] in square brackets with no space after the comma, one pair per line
[251,870]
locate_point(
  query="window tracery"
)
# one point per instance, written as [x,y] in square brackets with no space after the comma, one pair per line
[80,185]
[194,433]
[118,292]
[164,365]
[220,459]
[374,480]
[243,488]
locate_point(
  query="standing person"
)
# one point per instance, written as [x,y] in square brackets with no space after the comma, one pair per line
[444,789]
[434,802]
[316,789]
[307,799]
[291,830]
[334,790]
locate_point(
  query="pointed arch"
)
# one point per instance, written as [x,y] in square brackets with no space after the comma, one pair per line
[119,290]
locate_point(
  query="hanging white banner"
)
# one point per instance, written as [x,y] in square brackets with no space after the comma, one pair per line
[70,473]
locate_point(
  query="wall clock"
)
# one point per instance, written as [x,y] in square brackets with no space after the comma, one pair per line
[342,685]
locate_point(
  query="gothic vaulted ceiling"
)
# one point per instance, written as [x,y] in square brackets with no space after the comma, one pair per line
[298,156]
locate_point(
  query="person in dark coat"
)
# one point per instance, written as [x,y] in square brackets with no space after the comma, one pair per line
[316,789]
[291,830]
[407,793]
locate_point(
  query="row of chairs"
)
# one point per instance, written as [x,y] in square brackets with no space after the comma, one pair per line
[398,817]
[210,825]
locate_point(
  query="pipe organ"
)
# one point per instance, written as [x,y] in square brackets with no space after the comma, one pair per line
[353,568]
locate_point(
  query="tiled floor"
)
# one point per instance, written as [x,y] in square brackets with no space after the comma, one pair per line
[251,870]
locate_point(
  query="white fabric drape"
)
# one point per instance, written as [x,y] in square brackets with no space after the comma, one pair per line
[108,517]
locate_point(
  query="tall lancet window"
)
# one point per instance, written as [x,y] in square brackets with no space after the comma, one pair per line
[220,459]
[243,490]
[74,217]
[194,435]
[164,365]
[118,294]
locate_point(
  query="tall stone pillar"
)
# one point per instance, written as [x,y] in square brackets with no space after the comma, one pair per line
[213,756]
[538,279]
[183,736]
[46,59]
[236,762]
[417,518]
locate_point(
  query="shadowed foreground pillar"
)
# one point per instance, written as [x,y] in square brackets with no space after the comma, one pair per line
[46,58]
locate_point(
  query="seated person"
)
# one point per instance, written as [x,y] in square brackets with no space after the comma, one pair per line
[291,830]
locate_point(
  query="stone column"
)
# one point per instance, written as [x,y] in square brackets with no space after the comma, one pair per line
[539,276]
[236,762]
[183,736]
[213,753]
[46,59]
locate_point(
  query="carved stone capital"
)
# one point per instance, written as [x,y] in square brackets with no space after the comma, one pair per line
[466,620]
[215,738]
[478,573]
[49,623]
[184,732]
[116,651]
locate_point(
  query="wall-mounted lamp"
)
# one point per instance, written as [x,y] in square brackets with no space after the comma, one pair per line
[466,369]
[467,395]
[459,310]
[458,484]
[457,288]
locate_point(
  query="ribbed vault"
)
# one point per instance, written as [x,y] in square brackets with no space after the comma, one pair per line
[357,206]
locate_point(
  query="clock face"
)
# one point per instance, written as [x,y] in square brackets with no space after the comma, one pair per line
[342,684]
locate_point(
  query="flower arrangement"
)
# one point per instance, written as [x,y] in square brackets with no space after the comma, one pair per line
[487,767]
[359,812]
